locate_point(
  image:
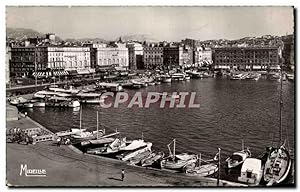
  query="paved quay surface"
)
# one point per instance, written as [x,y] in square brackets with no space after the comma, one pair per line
[67,167]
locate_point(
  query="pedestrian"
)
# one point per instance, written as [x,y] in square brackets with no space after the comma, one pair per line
[58,141]
[25,114]
[123,174]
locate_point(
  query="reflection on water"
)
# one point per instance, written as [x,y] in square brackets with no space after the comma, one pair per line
[39,110]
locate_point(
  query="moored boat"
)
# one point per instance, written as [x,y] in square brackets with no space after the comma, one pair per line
[179,161]
[251,172]
[27,105]
[115,87]
[237,158]
[90,98]
[18,100]
[132,153]
[152,159]
[201,170]
[136,159]
[39,104]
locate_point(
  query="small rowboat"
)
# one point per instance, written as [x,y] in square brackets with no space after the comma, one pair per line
[136,159]
[151,159]
[203,170]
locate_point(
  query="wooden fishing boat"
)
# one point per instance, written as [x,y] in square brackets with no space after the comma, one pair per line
[133,152]
[278,165]
[136,159]
[152,159]
[112,149]
[177,162]
[201,170]
[237,158]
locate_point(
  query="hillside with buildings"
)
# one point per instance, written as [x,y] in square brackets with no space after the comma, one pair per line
[30,53]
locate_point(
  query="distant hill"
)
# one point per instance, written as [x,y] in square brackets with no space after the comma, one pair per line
[94,40]
[138,37]
[23,33]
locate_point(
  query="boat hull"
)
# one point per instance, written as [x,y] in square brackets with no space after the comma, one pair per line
[202,171]
[39,104]
[277,166]
[177,165]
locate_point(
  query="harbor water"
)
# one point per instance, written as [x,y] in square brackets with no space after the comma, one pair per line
[230,111]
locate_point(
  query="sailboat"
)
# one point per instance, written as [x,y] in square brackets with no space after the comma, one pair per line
[101,138]
[177,162]
[85,135]
[238,158]
[278,164]
[202,170]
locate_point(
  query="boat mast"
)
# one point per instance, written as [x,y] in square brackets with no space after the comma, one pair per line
[280,111]
[219,165]
[174,148]
[97,126]
[199,160]
[80,118]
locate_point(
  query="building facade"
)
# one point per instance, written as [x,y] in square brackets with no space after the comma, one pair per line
[192,44]
[68,58]
[30,60]
[25,60]
[153,56]
[173,56]
[203,56]
[246,58]
[7,61]
[135,53]
[114,54]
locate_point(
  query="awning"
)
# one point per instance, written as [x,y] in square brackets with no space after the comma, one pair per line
[222,67]
[39,74]
[275,67]
[83,72]
[120,69]
[256,67]
[92,70]
[60,73]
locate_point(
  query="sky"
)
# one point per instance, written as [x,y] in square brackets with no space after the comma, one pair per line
[161,23]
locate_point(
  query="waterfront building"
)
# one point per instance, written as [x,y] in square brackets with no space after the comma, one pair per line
[26,60]
[45,61]
[288,51]
[112,54]
[192,44]
[7,61]
[247,58]
[203,56]
[66,59]
[135,53]
[153,56]
[173,55]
